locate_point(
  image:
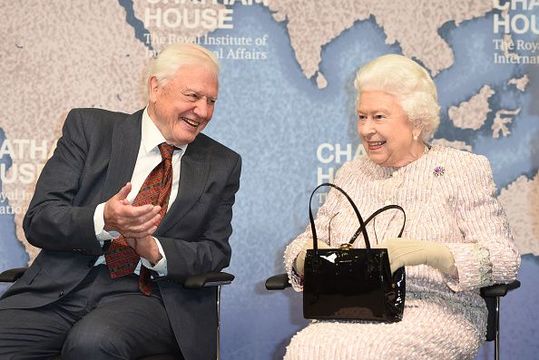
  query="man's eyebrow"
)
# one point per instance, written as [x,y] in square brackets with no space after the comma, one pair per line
[198,93]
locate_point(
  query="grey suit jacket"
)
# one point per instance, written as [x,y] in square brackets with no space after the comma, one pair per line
[94,158]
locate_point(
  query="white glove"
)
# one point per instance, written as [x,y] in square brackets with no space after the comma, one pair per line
[299,263]
[409,252]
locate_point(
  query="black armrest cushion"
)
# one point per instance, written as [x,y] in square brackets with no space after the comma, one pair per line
[207,280]
[192,282]
[278,282]
[499,289]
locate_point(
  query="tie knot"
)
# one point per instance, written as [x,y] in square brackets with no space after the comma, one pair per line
[166,150]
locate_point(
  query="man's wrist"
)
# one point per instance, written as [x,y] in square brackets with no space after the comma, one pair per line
[160,264]
[155,259]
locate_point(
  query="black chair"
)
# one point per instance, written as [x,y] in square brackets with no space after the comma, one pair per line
[212,279]
[491,294]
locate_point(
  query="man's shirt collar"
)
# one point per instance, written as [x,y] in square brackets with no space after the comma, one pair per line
[151,137]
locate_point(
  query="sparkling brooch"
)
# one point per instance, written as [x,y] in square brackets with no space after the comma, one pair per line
[438,171]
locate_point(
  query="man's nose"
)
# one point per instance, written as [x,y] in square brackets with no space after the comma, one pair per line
[202,108]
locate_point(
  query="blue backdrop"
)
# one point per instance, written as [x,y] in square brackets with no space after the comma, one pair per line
[286,104]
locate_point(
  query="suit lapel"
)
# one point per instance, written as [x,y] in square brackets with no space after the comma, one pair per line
[193,176]
[195,167]
[125,146]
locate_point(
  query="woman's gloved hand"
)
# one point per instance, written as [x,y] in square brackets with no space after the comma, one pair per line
[409,252]
[299,263]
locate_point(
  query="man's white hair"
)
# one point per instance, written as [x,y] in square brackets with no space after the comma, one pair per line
[409,82]
[165,65]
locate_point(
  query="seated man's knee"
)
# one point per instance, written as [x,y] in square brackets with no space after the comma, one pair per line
[29,334]
[95,342]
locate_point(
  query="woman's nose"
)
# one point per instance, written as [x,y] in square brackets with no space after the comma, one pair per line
[366,127]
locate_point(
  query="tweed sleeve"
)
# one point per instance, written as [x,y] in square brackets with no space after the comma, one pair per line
[488,254]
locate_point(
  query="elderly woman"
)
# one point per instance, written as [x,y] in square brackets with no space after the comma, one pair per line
[456,239]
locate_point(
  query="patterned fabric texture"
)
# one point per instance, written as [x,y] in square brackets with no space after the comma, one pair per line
[448,196]
[122,259]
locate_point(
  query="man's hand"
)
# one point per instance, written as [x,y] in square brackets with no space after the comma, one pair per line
[130,221]
[146,248]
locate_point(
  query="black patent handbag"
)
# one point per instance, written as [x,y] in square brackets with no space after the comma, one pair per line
[350,283]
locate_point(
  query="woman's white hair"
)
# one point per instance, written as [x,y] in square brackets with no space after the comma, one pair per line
[409,82]
[165,65]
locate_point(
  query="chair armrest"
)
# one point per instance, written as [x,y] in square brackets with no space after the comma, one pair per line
[497,290]
[278,282]
[492,295]
[192,282]
[208,280]
[12,275]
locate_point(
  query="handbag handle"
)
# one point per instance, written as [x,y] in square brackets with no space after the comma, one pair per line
[377,212]
[363,224]
[362,228]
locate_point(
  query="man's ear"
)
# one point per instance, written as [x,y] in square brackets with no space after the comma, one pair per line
[153,89]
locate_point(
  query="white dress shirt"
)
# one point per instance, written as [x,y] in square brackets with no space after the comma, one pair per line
[148,158]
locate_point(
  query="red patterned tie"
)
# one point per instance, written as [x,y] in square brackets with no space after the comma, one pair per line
[122,259]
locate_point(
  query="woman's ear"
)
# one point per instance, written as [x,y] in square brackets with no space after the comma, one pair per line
[416,132]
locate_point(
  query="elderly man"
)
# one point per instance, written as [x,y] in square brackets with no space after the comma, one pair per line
[127,204]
